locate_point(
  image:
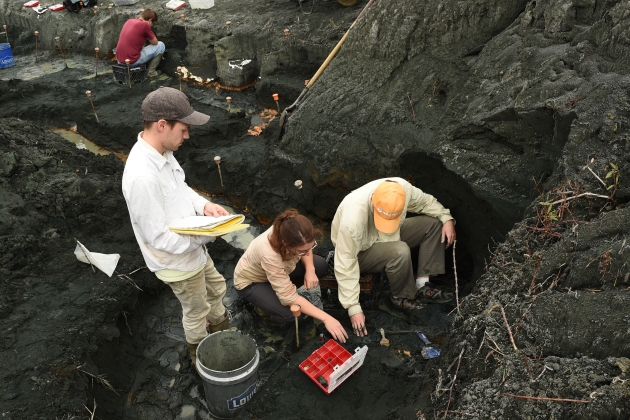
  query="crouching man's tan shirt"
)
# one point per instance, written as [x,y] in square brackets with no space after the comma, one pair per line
[353,231]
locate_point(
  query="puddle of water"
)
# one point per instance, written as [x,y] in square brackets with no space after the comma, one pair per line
[83,143]
[80,141]
[49,62]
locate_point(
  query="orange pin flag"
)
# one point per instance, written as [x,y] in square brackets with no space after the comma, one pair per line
[276,98]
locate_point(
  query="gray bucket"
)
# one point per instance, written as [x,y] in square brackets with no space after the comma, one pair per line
[227,361]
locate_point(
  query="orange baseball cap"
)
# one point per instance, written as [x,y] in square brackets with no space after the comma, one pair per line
[388,201]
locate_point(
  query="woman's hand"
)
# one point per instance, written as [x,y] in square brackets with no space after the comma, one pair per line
[335,329]
[310,279]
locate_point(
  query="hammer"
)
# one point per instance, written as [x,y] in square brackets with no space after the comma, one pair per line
[296,310]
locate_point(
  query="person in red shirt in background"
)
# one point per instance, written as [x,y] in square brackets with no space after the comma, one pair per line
[131,42]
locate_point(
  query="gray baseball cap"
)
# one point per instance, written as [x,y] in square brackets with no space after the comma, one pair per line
[171,104]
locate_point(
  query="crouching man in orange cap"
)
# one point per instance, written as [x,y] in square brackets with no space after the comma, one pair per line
[370,234]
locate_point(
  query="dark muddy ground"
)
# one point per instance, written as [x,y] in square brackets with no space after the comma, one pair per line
[493,107]
[105,331]
[67,330]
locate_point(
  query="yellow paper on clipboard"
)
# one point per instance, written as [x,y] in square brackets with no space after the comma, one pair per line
[208,225]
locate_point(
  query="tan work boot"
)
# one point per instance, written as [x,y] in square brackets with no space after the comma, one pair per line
[192,348]
[223,325]
[153,65]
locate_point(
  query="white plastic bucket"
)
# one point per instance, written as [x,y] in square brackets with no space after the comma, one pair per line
[227,361]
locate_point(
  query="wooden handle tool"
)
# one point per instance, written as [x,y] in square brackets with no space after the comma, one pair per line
[384,341]
[296,310]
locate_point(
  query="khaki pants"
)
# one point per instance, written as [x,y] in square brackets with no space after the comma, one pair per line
[395,257]
[201,297]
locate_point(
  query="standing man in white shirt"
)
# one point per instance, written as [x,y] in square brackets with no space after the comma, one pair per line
[370,233]
[156,194]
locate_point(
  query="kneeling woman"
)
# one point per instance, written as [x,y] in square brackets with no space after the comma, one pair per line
[279,260]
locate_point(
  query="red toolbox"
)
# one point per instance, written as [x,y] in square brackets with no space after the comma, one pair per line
[331,364]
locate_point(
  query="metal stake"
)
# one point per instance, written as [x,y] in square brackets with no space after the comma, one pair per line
[6,33]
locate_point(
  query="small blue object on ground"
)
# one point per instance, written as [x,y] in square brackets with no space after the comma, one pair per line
[6,56]
[430,352]
[424,338]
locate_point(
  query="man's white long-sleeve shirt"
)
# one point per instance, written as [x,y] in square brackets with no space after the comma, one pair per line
[156,194]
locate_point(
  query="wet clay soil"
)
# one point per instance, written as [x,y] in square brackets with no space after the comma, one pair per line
[70,333]
[542,329]
[73,337]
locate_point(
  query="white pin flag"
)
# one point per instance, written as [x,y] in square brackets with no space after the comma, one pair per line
[105,262]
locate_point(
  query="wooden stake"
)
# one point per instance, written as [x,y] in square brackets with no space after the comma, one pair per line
[96,50]
[60,49]
[276,98]
[89,95]
[6,33]
[127,61]
[217,160]
[36,44]
[296,310]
